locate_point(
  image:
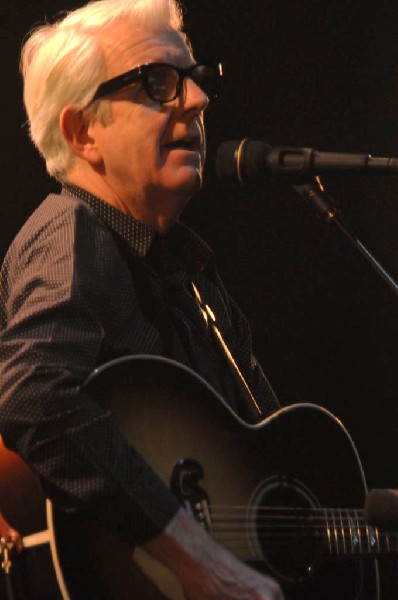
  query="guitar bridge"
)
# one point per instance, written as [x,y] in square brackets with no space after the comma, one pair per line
[184,483]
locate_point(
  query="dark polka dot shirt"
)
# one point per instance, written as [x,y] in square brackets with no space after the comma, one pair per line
[83,284]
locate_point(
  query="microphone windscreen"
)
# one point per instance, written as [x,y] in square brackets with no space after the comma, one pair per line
[242,161]
[226,162]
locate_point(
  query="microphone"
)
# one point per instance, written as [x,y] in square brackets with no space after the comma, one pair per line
[251,161]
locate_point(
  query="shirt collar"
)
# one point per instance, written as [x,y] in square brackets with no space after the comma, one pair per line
[139,237]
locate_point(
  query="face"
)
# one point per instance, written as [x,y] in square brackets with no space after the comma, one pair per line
[150,155]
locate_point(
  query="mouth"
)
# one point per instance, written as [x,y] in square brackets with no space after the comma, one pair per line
[188,143]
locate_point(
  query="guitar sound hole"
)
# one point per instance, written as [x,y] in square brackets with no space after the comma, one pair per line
[286,532]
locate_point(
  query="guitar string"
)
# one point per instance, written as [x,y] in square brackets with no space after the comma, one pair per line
[302,527]
[289,534]
[289,522]
[341,526]
[285,513]
[248,546]
[337,547]
[311,516]
[283,508]
[341,541]
[340,544]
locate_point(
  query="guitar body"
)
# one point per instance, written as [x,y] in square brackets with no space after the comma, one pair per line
[301,456]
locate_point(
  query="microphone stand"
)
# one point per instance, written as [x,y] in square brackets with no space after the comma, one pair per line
[324,204]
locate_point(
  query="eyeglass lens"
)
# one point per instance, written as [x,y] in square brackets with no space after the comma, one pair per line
[163,82]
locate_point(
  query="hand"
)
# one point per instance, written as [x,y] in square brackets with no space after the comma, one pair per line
[225,577]
[205,569]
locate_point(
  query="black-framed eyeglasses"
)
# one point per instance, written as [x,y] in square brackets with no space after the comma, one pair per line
[163,82]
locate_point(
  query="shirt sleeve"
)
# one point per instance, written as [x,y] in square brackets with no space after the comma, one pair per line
[60,297]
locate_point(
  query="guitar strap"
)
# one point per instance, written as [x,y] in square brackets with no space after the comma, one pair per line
[211,322]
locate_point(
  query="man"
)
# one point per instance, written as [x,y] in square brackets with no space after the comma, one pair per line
[115,103]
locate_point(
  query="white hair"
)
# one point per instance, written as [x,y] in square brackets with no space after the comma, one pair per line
[62,63]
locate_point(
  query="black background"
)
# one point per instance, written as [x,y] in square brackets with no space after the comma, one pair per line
[306,73]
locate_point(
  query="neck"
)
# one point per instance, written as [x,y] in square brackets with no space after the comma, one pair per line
[155,210]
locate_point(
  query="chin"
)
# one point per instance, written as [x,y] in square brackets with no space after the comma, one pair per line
[189,182]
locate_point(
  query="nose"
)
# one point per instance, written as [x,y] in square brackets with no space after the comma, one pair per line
[193,97]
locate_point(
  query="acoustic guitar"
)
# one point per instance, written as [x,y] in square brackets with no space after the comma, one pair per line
[285,495]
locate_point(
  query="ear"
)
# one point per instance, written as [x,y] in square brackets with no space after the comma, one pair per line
[79,132]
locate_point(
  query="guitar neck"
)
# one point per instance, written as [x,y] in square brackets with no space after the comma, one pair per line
[348,534]
[335,532]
